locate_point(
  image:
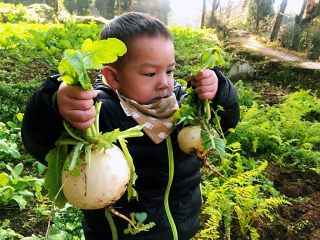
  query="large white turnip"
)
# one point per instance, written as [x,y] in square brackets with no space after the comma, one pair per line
[101,184]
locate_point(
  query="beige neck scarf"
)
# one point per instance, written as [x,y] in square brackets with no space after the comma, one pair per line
[157,117]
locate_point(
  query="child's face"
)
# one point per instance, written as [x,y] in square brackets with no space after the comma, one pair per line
[146,74]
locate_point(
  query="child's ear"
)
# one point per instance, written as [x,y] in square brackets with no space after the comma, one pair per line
[110,75]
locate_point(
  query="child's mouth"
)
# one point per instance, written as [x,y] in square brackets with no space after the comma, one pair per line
[154,100]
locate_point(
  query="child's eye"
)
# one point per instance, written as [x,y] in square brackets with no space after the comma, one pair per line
[170,71]
[149,74]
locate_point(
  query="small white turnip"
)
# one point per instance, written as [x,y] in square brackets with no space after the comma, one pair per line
[189,139]
[101,184]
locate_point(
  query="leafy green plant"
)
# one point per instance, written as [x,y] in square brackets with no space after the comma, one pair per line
[7,233]
[187,57]
[67,224]
[8,137]
[245,196]
[285,133]
[246,95]
[17,189]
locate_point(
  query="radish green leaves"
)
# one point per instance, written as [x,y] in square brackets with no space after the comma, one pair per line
[93,55]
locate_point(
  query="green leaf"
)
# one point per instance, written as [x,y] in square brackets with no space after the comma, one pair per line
[73,161]
[40,167]
[141,217]
[18,169]
[91,56]
[101,52]
[14,153]
[52,183]
[221,147]
[20,200]
[4,179]
[4,146]
[19,116]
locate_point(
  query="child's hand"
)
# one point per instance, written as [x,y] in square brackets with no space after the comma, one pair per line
[76,105]
[205,84]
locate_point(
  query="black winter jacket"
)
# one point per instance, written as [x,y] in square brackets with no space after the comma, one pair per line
[42,125]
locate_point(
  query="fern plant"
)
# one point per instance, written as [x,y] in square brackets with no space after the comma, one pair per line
[241,201]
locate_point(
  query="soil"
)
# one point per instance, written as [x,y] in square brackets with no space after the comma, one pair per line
[25,222]
[300,220]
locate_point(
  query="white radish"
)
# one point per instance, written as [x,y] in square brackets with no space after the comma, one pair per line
[101,184]
[189,139]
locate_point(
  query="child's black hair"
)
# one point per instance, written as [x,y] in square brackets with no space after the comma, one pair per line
[129,26]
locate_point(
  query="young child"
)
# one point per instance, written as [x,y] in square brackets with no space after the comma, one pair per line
[139,84]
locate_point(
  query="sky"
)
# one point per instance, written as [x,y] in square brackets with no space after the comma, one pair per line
[188,12]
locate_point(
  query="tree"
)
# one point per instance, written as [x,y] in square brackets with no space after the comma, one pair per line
[157,8]
[129,5]
[278,21]
[55,5]
[213,19]
[105,8]
[80,7]
[258,11]
[203,13]
[310,10]
[297,27]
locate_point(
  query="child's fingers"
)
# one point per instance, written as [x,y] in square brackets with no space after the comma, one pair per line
[76,105]
[206,92]
[204,73]
[80,119]
[82,125]
[75,92]
[202,82]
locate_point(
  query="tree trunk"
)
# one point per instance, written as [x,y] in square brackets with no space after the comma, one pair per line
[119,9]
[313,12]
[257,17]
[55,6]
[105,8]
[165,9]
[245,5]
[278,21]
[297,27]
[203,13]
[129,5]
[213,19]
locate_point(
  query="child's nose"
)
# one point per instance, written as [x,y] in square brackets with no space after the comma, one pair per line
[164,81]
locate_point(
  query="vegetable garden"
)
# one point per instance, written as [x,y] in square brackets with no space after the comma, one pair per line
[268,181]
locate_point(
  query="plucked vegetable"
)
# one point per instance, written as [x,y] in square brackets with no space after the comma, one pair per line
[199,134]
[101,184]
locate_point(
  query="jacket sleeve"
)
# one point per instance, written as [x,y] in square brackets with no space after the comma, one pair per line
[41,123]
[227,98]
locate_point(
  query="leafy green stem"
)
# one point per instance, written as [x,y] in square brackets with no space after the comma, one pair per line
[67,142]
[166,195]
[69,131]
[207,110]
[205,127]
[131,165]
[96,122]
[112,225]
[75,156]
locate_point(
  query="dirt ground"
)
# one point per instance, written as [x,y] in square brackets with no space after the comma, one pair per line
[299,221]
[250,43]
